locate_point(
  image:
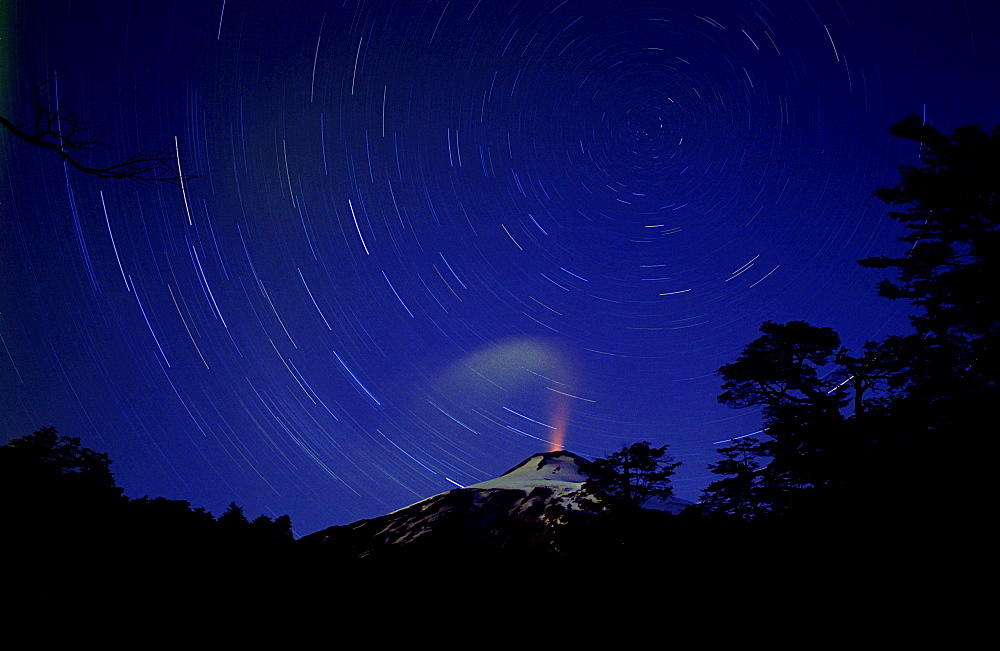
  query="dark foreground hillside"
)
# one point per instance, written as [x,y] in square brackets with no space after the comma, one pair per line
[719,582]
[83,563]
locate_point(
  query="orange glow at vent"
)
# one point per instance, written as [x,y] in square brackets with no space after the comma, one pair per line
[559,420]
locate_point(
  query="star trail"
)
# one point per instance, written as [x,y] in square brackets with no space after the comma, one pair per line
[417,242]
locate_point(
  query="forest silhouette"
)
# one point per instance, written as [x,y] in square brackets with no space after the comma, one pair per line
[850,487]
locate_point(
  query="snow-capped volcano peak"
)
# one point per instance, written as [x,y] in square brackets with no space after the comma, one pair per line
[520,509]
[560,469]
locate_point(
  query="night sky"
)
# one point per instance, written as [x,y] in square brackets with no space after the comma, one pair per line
[427,239]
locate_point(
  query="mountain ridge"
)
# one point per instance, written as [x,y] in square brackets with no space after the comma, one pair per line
[523,510]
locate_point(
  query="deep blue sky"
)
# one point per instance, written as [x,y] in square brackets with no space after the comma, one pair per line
[422,232]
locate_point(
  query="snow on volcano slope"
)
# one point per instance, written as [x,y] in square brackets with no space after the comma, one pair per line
[520,507]
[559,471]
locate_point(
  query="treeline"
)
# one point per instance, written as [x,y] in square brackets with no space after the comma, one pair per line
[52,488]
[82,561]
[889,431]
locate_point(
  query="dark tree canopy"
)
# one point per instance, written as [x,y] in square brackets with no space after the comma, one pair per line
[44,461]
[785,372]
[952,214]
[234,518]
[779,369]
[49,482]
[947,369]
[632,476]
[911,392]
[865,374]
[738,491]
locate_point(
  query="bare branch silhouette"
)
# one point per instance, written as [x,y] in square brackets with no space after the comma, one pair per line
[67,134]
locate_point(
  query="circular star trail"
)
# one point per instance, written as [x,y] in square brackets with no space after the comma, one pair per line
[421,241]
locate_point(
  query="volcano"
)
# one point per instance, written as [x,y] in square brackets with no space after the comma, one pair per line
[522,510]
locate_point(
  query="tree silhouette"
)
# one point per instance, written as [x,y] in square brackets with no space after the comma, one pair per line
[52,488]
[739,492]
[953,201]
[233,520]
[780,372]
[66,134]
[74,545]
[632,476]
[908,391]
[863,374]
[945,373]
[949,273]
[45,463]
[267,531]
